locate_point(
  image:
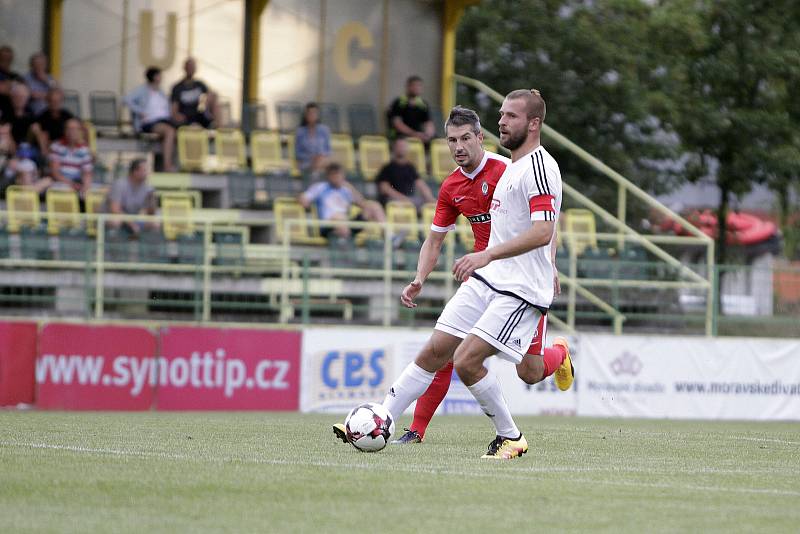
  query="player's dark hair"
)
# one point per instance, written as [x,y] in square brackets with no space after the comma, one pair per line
[534,102]
[413,78]
[135,164]
[460,116]
[151,73]
[333,167]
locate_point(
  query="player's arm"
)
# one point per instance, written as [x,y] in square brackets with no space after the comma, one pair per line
[428,256]
[538,235]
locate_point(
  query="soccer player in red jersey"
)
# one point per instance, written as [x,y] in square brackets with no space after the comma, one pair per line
[468,191]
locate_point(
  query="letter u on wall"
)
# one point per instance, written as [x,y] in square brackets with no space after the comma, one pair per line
[147,36]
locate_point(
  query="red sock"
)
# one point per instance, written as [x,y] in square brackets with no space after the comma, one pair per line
[431,399]
[553,358]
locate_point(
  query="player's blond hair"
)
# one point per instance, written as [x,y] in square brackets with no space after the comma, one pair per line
[534,102]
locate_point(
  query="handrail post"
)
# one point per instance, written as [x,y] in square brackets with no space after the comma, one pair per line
[571,294]
[99,267]
[207,244]
[712,295]
[621,214]
[306,315]
[285,266]
[387,272]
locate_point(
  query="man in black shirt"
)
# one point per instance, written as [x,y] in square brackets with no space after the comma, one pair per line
[187,96]
[19,117]
[49,124]
[399,179]
[7,76]
[409,115]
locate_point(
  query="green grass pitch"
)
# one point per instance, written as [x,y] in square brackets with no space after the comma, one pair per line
[265,472]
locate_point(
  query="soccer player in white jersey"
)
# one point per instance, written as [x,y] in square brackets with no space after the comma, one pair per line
[507,287]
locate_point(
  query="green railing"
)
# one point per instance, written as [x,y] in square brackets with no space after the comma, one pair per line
[618,222]
[204,276]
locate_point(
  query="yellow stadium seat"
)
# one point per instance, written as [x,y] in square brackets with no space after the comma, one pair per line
[63,210]
[403,213]
[428,212]
[230,149]
[178,217]
[266,153]
[192,148]
[91,136]
[416,155]
[373,154]
[95,200]
[342,151]
[441,160]
[290,148]
[22,203]
[194,196]
[288,209]
[465,234]
[581,231]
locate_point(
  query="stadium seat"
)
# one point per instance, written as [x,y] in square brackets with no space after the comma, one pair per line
[288,209]
[22,204]
[178,217]
[290,115]
[580,230]
[225,120]
[342,151]
[290,151]
[438,121]
[416,155]
[63,210]
[465,235]
[254,117]
[373,154]
[266,153]
[491,147]
[330,117]
[230,150]
[95,200]
[403,213]
[441,160]
[192,148]
[103,110]
[72,102]
[193,196]
[362,120]
[230,242]
[428,212]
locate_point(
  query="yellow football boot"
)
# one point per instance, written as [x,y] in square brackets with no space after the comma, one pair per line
[502,448]
[565,374]
[340,432]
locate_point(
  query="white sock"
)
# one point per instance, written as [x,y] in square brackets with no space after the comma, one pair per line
[488,394]
[408,387]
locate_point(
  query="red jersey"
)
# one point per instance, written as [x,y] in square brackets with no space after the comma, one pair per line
[470,195]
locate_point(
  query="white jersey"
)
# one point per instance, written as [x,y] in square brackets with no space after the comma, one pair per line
[529,190]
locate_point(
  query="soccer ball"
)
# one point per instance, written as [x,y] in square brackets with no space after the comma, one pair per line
[369,427]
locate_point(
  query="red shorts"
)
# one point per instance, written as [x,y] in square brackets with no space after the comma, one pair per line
[537,345]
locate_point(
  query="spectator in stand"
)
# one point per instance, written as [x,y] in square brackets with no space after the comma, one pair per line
[20,118]
[312,141]
[50,123]
[70,159]
[333,199]
[132,195]
[399,179]
[16,164]
[192,101]
[39,82]
[151,113]
[409,115]
[7,76]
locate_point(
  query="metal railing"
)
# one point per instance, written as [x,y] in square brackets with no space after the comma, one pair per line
[624,188]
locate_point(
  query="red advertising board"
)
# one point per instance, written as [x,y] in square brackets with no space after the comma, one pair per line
[96,367]
[17,362]
[229,369]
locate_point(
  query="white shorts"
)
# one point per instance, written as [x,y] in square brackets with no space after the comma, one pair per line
[505,322]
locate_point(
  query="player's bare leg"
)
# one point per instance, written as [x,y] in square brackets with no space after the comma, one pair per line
[469,361]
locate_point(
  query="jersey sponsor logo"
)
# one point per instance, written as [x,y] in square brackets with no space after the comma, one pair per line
[456,200]
[485,188]
[481,218]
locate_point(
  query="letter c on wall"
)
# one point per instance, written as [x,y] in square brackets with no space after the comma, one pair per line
[352,73]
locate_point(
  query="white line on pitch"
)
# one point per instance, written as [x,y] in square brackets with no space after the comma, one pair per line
[410,468]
